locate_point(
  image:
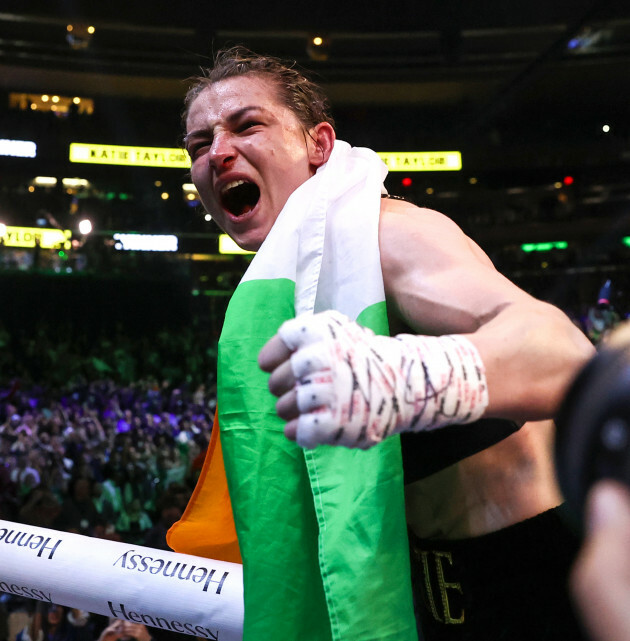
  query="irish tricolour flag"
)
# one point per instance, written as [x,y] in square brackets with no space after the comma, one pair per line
[321,532]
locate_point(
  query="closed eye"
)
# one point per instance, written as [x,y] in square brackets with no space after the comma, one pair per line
[196,148]
[247,124]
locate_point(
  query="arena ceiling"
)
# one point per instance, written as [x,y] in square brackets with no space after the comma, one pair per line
[537,80]
[487,59]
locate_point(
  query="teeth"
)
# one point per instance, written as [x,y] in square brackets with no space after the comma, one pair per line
[231,185]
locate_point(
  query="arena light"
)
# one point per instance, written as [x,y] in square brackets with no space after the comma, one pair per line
[85,226]
[189,188]
[79,35]
[45,102]
[587,39]
[191,196]
[18,148]
[318,47]
[228,246]
[47,238]
[422,160]
[146,242]
[44,181]
[74,183]
[129,156]
[544,247]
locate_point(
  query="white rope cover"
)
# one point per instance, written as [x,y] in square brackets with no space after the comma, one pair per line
[177,592]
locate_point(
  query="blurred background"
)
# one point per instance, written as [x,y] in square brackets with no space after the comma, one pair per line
[533,95]
[509,117]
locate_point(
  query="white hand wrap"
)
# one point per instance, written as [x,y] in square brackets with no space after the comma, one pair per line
[355,388]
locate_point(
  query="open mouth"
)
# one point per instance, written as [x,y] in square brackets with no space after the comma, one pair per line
[239,197]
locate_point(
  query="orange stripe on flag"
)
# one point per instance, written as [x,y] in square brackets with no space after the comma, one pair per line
[207,525]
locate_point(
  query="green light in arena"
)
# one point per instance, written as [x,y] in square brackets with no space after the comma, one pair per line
[544,247]
[626,240]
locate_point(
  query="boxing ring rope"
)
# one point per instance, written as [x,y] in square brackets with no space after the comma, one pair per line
[177,592]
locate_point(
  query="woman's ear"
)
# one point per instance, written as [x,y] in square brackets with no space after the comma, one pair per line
[322,140]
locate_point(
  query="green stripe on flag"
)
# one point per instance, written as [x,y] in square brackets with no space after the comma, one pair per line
[267,477]
[375,317]
[322,532]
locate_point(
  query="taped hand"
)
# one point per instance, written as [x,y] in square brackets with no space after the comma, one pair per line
[340,384]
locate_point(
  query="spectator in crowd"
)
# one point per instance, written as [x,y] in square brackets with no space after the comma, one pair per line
[134,523]
[52,622]
[80,474]
[78,513]
[122,630]
[8,489]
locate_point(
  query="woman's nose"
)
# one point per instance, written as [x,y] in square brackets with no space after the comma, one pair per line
[222,151]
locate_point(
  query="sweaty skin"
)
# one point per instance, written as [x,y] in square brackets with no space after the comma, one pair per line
[455,288]
[502,485]
[531,352]
[530,349]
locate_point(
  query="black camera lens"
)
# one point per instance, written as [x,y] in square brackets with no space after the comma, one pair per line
[593,427]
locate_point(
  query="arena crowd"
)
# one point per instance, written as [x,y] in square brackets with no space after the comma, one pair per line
[100,454]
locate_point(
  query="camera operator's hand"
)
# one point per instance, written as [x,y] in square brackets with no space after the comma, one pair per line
[601,577]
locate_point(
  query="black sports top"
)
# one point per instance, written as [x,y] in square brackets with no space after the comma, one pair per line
[425,453]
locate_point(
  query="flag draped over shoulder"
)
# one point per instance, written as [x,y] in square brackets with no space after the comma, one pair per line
[322,532]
